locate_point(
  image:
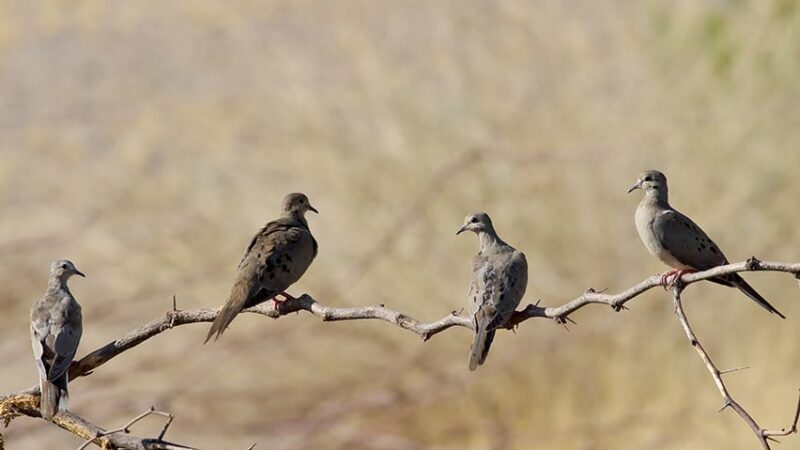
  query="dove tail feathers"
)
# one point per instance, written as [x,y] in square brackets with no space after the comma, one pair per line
[739,282]
[53,398]
[221,322]
[480,346]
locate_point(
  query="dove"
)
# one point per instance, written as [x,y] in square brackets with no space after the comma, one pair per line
[498,282]
[678,242]
[56,328]
[278,255]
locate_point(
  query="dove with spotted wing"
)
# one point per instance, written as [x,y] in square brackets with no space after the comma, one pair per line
[278,255]
[498,282]
[56,328]
[678,242]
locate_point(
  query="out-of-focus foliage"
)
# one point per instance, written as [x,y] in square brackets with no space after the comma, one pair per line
[147,141]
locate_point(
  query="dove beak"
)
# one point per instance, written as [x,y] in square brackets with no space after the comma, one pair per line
[311,208]
[461,230]
[636,186]
[78,272]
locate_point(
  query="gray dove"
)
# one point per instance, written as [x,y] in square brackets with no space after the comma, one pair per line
[678,242]
[498,282]
[56,327]
[276,258]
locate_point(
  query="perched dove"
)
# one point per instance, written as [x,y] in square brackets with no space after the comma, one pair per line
[678,242]
[276,258]
[498,282]
[56,327]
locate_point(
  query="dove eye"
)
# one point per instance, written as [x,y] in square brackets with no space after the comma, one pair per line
[302,201]
[648,178]
[473,220]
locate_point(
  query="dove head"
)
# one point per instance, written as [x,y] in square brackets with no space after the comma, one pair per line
[296,205]
[63,269]
[480,224]
[653,183]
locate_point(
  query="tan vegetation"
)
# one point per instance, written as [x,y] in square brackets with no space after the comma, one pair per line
[147,141]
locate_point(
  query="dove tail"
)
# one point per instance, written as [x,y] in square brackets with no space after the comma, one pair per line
[480,346]
[748,290]
[221,322]
[51,396]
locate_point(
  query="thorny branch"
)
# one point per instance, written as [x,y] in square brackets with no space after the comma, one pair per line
[764,436]
[26,402]
[126,428]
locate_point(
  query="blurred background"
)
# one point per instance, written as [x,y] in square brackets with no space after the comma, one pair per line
[148,141]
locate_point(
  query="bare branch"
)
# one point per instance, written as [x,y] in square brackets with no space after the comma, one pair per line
[618,301]
[126,428]
[328,314]
[792,429]
[763,435]
[27,404]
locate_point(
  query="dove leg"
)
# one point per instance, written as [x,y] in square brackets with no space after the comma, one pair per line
[671,277]
[285,295]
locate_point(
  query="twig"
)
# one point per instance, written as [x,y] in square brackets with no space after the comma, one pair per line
[728,401]
[126,428]
[783,431]
[27,403]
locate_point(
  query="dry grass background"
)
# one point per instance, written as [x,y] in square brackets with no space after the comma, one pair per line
[147,141]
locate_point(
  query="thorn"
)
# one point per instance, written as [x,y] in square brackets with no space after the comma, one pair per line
[568,319]
[174,303]
[727,404]
[770,438]
[252,446]
[735,369]
[382,305]
[589,291]
[602,290]
[617,307]
[540,300]
[753,263]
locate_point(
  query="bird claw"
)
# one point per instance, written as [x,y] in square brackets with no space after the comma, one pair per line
[753,263]
[672,278]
